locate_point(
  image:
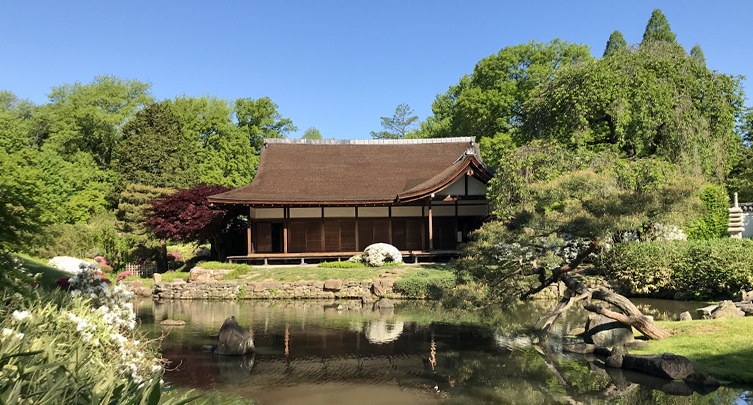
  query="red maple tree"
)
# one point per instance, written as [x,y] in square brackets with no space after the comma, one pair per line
[186,215]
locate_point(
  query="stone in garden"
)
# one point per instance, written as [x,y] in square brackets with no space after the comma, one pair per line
[366,298]
[172,322]
[233,340]
[157,277]
[705,312]
[685,316]
[667,365]
[603,331]
[727,309]
[334,285]
[579,349]
[382,286]
[616,357]
[384,303]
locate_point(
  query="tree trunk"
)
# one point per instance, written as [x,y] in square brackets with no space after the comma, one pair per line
[162,257]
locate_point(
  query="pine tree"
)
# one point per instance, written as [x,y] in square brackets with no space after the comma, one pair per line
[697,54]
[658,29]
[615,43]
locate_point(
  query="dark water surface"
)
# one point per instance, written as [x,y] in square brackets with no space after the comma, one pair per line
[327,352]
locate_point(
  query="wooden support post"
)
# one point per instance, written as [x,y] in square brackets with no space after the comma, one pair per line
[285,230]
[389,225]
[249,243]
[265,261]
[431,229]
[357,245]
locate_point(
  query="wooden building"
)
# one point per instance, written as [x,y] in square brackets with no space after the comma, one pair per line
[331,199]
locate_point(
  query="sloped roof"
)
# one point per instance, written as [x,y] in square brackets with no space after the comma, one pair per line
[295,171]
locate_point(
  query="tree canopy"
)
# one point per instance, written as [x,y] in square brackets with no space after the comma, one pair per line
[312,133]
[657,28]
[615,43]
[259,119]
[397,126]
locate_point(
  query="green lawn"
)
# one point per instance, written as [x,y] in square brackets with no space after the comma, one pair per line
[308,273]
[49,274]
[720,347]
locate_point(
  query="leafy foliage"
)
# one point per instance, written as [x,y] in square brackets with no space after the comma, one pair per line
[696,268]
[697,54]
[425,283]
[615,44]
[342,265]
[715,220]
[652,102]
[153,152]
[186,215]
[259,119]
[397,126]
[312,133]
[657,28]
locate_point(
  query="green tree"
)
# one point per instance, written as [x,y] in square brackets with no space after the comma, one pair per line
[259,119]
[153,151]
[132,206]
[312,133]
[223,153]
[740,180]
[490,104]
[697,54]
[88,117]
[616,43]
[655,101]
[397,126]
[658,29]
[16,122]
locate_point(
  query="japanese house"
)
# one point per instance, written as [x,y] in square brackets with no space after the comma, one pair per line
[331,199]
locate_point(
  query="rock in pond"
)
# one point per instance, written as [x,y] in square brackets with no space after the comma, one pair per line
[172,322]
[233,340]
[685,316]
[603,331]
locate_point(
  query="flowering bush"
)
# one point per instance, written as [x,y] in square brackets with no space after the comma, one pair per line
[70,264]
[102,260]
[377,254]
[174,256]
[122,275]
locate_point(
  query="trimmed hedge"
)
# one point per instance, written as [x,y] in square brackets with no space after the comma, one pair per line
[695,268]
[342,265]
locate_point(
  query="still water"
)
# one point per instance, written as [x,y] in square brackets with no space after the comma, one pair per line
[327,352]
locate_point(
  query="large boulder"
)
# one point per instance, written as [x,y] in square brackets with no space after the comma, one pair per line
[603,331]
[667,365]
[382,286]
[233,340]
[727,309]
[377,254]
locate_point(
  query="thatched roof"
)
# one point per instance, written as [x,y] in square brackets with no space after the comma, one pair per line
[299,172]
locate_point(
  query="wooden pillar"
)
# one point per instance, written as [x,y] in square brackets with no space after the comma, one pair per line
[357,248]
[285,230]
[423,228]
[389,225]
[455,235]
[431,228]
[249,244]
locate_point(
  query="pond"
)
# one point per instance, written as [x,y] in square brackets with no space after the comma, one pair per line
[327,352]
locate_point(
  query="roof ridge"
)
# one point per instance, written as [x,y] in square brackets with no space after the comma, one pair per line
[418,141]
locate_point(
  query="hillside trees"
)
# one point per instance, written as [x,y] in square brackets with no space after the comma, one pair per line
[223,152]
[153,151]
[259,119]
[490,103]
[616,43]
[657,28]
[653,102]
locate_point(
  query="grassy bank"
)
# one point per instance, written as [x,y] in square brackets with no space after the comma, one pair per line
[50,275]
[720,347]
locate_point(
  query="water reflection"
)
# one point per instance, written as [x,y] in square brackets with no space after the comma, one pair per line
[322,352]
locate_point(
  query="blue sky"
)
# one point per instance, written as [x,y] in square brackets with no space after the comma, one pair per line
[335,65]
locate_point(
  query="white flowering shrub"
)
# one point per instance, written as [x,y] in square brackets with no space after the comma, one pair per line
[83,343]
[377,254]
[70,264]
[356,259]
[666,232]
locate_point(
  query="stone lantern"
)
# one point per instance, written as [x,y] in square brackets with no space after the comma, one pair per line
[736,221]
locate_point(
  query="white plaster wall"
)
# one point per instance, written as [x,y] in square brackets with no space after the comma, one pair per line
[412,211]
[312,212]
[263,213]
[748,224]
[339,212]
[373,212]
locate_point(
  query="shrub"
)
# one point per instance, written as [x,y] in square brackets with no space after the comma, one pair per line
[695,268]
[466,296]
[342,265]
[714,222]
[122,275]
[377,254]
[244,268]
[425,283]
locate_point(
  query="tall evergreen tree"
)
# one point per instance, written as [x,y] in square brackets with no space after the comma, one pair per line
[658,29]
[153,151]
[397,126]
[615,43]
[697,54]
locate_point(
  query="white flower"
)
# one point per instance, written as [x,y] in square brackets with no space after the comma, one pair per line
[19,335]
[20,316]
[7,332]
